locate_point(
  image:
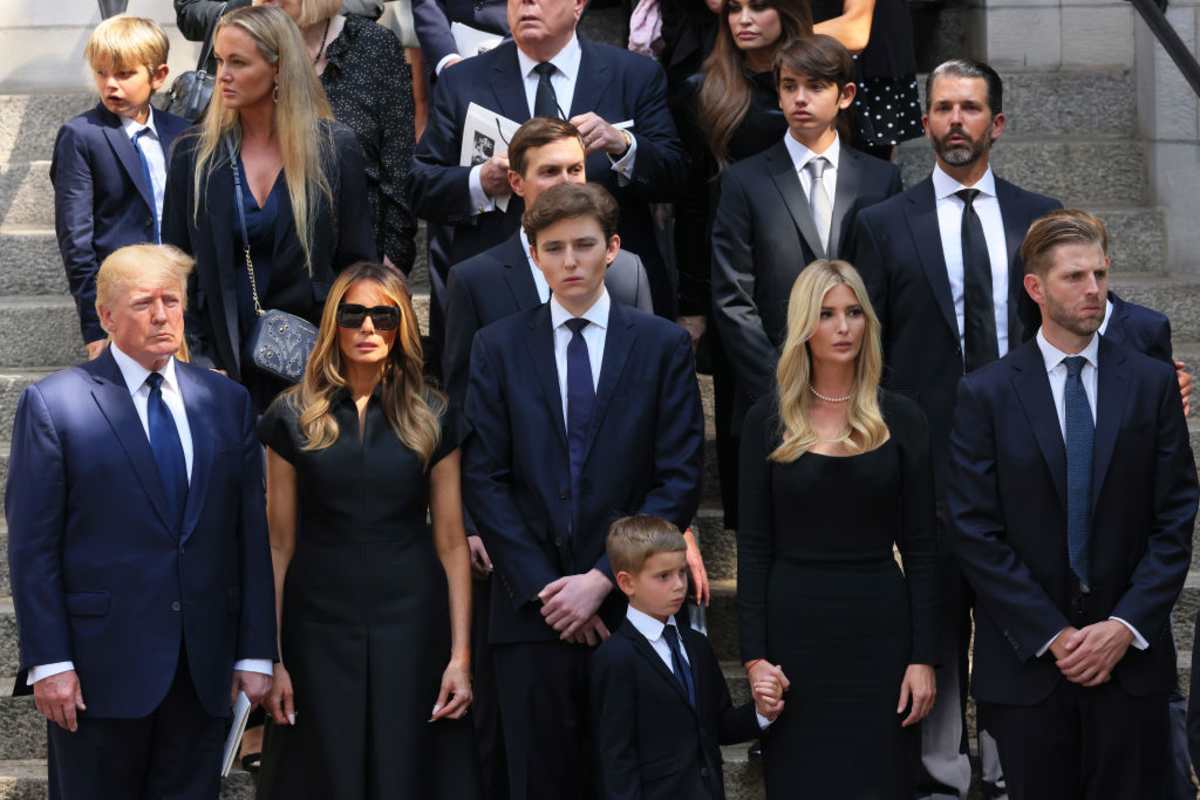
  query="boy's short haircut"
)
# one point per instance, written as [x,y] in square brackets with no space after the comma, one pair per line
[1060,227]
[632,540]
[127,43]
[538,132]
[820,57]
[569,201]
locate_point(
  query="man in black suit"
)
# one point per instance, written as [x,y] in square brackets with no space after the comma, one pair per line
[775,217]
[945,280]
[556,396]
[1072,499]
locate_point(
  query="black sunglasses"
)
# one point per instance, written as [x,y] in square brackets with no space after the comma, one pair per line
[384,318]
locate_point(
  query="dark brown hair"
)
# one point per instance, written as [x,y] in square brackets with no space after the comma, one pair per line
[1064,226]
[538,132]
[632,540]
[819,57]
[968,68]
[568,201]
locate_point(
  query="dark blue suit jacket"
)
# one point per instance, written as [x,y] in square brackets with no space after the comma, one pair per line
[616,84]
[101,199]
[1007,508]
[101,577]
[432,18]
[644,455]
[1142,329]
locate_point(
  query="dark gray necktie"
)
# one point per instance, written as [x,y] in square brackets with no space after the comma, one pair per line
[1081,433]
[545,102]
[979,310]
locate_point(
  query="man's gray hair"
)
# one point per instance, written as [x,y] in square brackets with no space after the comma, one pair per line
[968,68]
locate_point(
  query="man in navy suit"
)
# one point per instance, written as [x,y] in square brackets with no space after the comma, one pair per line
[432,20]
[141,575]
[583,411]
[110,164]
[1072,498]
[942,265]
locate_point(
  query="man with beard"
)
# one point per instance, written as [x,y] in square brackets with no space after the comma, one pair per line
[942,265]
[1076,554]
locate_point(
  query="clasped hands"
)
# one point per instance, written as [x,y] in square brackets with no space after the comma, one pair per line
[767,685]
[569,606]
[1086,656]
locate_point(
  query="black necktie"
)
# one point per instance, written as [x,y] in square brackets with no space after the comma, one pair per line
[545,102]
[167,448]
[979,310]
[683,673]
[581,398]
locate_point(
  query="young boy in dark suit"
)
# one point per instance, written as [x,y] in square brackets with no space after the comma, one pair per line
[660,706]
[110,163]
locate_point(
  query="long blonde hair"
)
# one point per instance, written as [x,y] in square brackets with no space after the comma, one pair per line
[411,408]
[301,111]
[865,428]
[725,94]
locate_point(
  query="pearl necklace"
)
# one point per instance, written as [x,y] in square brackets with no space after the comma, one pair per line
[827,398]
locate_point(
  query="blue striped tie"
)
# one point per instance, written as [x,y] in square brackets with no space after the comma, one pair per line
[137,147]
[1081,434]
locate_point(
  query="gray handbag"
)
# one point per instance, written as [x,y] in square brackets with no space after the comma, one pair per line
[280,342]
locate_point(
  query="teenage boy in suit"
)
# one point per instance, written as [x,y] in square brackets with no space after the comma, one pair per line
[110,164]
[660,706]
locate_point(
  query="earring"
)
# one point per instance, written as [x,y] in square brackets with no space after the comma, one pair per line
[275,92]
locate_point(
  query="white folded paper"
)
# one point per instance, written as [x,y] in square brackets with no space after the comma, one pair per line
[486,134]
[233,742]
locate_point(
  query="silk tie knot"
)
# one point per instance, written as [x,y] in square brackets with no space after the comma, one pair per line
[1074,365]
[816,167]
[545,68]
[577,324]
[967,196]
[155,379]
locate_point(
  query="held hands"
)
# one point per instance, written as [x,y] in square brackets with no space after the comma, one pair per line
[454,698]
[281,702]
[696,569]
[569,603]
[599,135]
[58,698]
[481,563]
[919,685]
[767,686]
[593,632]
[493,177]
[695,326]
[1087,656]
[255,685]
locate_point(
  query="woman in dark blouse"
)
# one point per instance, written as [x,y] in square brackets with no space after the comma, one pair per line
[834,473]
[369,85]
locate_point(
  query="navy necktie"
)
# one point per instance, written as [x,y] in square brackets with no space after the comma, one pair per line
[545,102]
[979,309]
[581,398]
[149,180]
[167,448]
[1081,433]
[683,673]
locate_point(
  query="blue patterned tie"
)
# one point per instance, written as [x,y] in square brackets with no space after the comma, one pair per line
[1081,433]
[167,449]
[683,673]
[149,181]
[581,399]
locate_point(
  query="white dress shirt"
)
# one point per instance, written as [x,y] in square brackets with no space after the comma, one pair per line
[652,629]
[1108,309]
[539,279]
[950,216]
[1056,371]
[135,376]
[566,73]
[801,155]
[155,158]
[593,336]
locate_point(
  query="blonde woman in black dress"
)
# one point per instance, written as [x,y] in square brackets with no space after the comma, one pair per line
[834,472]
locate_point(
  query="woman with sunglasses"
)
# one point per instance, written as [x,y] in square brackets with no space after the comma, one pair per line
[374,611]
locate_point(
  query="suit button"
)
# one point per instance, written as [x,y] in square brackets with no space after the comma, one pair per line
[176,606]
[564,495]
[558,542]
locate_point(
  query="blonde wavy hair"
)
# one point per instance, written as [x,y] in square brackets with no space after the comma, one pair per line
[411,408]
[866,429]
[301,111]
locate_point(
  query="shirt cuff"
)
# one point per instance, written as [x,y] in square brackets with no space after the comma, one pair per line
[1046,646]
[46,670]
[763,722]
[262,666]
[441,65]
[480,202]
[1138,641]
[623,166]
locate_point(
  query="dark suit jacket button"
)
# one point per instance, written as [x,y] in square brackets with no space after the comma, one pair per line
[176,606]
[564,496]
[558,542]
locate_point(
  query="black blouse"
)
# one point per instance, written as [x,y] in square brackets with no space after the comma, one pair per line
[369,85]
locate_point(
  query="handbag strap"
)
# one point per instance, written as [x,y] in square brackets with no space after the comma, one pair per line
[241,211]
[207,49]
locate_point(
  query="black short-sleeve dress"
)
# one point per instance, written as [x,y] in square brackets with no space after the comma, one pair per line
[366,626]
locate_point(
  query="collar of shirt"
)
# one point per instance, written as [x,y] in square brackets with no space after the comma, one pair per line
[132,126]
[647,625]
[597,314]
[539,279]
[801,155]
[1108,309]
[1053,357]
[565,61]
[135,374]
[944,186]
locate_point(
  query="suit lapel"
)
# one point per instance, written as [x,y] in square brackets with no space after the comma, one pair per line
[1015,227]
[921,212]
[1112,395]
[590,92]
[646,650]
[1033,392]
[849,184]
[1115,330]
[541,352]
[509,85]
[218,216]
[123,149]
[618,342]
[518,277]
[195,397]
[112,396]
[783,173]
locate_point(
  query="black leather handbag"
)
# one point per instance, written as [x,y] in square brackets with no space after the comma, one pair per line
[191,92]
[280,342]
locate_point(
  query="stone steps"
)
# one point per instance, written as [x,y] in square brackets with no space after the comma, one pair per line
[26,780]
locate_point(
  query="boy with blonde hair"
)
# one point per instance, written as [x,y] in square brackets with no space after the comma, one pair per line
[110,163]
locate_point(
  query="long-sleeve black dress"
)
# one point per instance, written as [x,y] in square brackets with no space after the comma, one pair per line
[820,593]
